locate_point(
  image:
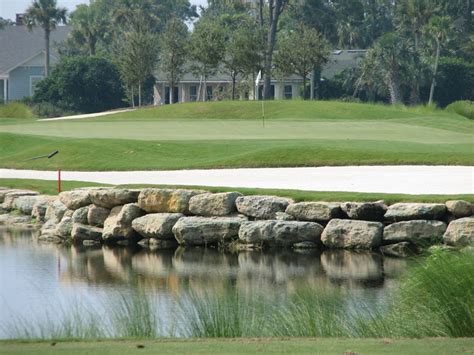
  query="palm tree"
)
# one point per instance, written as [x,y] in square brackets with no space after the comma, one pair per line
[392,58]
[47,14]
[90,24]
[437,30]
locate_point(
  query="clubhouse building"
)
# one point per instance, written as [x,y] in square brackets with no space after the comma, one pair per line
[217,87]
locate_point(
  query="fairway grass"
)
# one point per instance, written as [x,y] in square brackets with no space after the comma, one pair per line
[245,346]
[49,188]
[231,135]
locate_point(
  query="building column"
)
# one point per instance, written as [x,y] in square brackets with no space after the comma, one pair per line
[5,88]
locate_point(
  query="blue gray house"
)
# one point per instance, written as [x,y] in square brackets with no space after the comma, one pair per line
[22,58]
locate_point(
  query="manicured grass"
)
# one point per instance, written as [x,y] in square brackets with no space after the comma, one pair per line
[230,134]
[49,187]
[245,346]
[113,154]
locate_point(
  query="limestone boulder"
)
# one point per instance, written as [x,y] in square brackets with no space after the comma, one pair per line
[279,233]
[460,232]
[409,211]
[352,234]
[459,208]
[261,207]
[314,211]
[420,232]
[55,211]
[16,221]
[10,197]
[190,231]
[219,204]
[96,216]
[118,225]
[109,198]
[283,216]
[367,211]
[80,215]
[82,232]
[75,199]
[24,204]
[64,228]
[156,225]
[41,206]
[400,250]
[48,229]
[166,200]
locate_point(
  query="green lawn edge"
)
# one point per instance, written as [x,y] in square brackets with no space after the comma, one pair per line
[245,345]
[50,188]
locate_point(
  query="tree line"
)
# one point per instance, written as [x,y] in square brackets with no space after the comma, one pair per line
[413,47]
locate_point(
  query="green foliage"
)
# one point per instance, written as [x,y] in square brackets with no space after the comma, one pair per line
[46,109]
[82,84]
[301,52]
[15,110]
[454,81]
[464,108]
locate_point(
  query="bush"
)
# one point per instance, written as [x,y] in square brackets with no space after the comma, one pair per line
[15,110]
[82,84]
[464,108]
[454,81]
[46,109]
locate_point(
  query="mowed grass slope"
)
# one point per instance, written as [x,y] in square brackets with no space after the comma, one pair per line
[231,134]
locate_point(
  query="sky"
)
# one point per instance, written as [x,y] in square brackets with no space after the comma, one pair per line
[8,8]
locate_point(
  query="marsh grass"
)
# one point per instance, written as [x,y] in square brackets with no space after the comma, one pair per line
[15,110]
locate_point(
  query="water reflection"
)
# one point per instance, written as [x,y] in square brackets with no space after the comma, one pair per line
[205,268]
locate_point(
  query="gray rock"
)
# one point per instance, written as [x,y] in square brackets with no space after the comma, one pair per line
[81,232]
[219,204]
[368,211]
[418,232]
[25,204]
[64,228]
[283,216]
[166,200]
[41,206]
[10,197]
[314,211]
[459,208]
[409,211]
[261,207]
[80,215]
[109,198]
[75,199]
[202,231]
[280,233]
[16,221]
[460,232]
[352,234]
[55,211]
[96,216]
[158,244]
[156,225]
[400,250]
[118,226]
[48,229]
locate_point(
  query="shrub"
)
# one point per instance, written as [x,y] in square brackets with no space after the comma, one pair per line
[46,109]
[454,81]
[15,110]
[464,108]
[82,84]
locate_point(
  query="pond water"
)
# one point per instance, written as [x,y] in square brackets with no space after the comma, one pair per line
[40,281]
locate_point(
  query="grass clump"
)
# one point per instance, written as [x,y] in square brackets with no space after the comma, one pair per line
[464,108]
[15,110]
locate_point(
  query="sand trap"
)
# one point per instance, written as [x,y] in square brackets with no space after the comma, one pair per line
[444,180]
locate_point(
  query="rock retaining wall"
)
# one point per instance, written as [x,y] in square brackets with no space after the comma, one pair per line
[163,218]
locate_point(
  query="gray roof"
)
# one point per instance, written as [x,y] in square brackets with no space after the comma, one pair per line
[17,44]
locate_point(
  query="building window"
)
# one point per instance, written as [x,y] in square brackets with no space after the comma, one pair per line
[34,80]
[193,93]
[209,93]
[288,92]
